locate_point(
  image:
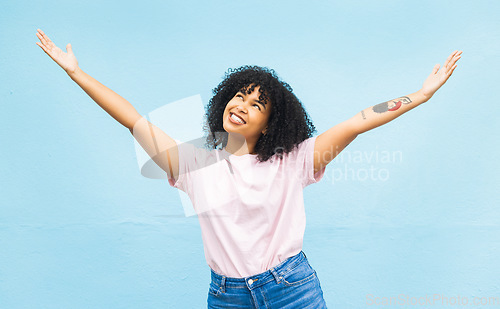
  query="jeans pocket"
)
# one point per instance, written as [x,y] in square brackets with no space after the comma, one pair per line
[302,273]
[214,290]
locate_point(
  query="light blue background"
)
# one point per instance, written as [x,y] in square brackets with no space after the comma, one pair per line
[81,228]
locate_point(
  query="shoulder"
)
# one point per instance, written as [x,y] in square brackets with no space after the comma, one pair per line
[301,150]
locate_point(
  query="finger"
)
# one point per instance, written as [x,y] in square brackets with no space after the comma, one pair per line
[69,49]
[435,69]
[452,69]
[44,48]
[41,46]
[43,34]
[448,74]
[453,63]
[41,38]
[449,58]
[457,54]
[47,39]
[44,42]
[447,62]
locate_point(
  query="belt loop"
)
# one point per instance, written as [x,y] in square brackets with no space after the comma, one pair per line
[223,284]
[276,276]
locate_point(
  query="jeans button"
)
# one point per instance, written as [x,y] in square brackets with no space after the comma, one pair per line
[250,281]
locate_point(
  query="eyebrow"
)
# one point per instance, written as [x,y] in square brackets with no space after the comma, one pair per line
[255,100]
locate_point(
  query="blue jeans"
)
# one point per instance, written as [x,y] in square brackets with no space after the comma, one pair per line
[291,284]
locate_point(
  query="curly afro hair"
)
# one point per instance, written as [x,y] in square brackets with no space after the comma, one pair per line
[288,124]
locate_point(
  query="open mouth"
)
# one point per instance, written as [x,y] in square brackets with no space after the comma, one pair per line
[236,119]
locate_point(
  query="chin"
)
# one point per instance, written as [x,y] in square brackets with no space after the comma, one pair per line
[224,126]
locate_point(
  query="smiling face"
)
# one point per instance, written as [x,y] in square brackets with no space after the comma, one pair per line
[245,114]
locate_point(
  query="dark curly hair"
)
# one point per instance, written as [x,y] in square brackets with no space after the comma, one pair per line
[288,124]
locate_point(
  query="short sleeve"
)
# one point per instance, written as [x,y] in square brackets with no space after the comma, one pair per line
[191,159]
[304,162]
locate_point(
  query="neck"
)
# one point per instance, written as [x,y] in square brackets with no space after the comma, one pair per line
[238,145]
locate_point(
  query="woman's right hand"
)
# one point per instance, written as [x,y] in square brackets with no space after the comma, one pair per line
[67,61]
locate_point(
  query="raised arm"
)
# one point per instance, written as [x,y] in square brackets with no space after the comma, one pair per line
[159,146]
[330,143]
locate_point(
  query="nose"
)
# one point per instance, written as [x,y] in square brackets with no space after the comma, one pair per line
[241,108]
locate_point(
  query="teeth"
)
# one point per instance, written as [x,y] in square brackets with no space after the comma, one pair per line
[236,118]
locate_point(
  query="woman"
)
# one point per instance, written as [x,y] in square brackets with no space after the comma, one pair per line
[247,188]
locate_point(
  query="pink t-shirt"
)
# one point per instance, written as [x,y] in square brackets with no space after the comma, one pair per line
[251,214]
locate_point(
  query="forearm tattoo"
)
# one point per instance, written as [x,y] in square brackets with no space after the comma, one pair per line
[392,105]
[363,114]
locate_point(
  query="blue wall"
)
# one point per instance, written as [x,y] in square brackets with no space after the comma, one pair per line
[80,227]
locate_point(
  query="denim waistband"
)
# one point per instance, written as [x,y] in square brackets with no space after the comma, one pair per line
[274,273]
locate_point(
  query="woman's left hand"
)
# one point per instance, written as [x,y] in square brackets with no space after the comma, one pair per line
[438,77]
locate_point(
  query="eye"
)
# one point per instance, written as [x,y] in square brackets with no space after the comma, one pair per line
[257,106]
[239,96]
